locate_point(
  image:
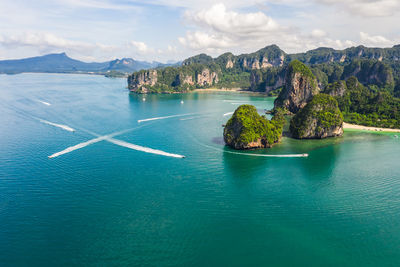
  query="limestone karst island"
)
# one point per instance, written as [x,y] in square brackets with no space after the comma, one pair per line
[316,91]
[200,133]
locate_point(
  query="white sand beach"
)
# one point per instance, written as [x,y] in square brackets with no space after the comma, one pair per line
[367,128]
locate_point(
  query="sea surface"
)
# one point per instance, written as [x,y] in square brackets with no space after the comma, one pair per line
[122,195]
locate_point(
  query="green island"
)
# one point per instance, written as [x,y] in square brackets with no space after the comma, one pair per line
[320,118]
[322,87]
[247,129]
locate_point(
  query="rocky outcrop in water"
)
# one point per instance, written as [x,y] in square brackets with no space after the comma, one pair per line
[320,118]
[300,87]
[246,129]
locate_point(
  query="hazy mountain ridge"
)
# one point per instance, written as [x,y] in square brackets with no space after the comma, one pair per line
[61,63]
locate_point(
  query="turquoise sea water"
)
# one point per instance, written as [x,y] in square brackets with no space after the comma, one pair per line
[107,205]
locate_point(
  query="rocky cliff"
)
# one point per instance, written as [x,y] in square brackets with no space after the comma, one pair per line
[207,78]
[266,71]
[172,79]
[370,72]
[299,88]
[268,80]
[270,56]
[336,89]
[141,81]
[320,118]
[246,129]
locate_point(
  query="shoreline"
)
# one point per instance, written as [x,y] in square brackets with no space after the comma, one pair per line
[219,89]
[368,128]
[234,90]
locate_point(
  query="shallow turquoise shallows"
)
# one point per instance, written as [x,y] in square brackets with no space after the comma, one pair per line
[107,204]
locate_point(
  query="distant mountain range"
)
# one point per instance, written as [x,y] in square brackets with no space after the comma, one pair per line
[61,63]
[265,70]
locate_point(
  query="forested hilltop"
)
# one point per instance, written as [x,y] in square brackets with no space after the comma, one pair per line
[264,70]
[365,81]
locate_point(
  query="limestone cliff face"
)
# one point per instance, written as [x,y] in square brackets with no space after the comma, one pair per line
[171,80]
[266,81]
[299,88]
[320,118]
[370,72]
[184,79]
[336,89]
[261,62]
[247,129]
[138,81]
[229,64]
[206,77]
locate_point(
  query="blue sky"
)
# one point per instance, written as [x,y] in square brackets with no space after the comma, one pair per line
[161,30]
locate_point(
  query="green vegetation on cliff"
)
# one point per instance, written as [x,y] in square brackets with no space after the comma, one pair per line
[247,129]
[299,87]
[265,69]
[298,67]
[320,118]
[369,106]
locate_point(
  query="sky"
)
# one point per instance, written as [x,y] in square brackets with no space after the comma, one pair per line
[172,30]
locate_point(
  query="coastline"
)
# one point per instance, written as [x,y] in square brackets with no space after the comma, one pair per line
[349,126]
[213,89]
[233,90]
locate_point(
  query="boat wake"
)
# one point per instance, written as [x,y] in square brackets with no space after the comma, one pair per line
[190,118]
[166,117]
[142,148]
[270,156]
[44,102]
[258,155]
[62,126]
[78,146]
[109,138]
[229,113]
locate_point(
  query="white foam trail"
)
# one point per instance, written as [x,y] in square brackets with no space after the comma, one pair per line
[91,141]
[44,103]
[62,126]
[190,118]
[259,155]
[229,113]
[270,156]
[143,149]
[78,146]
[235,101]
[166,117]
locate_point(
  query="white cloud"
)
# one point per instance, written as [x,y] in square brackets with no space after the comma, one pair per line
[318,33]
[222,29]
[44,41]
[224,21]
[196,4]
[172,49]
[375,40]
[97,4]
[202,40]
[141,47]
[367,8]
